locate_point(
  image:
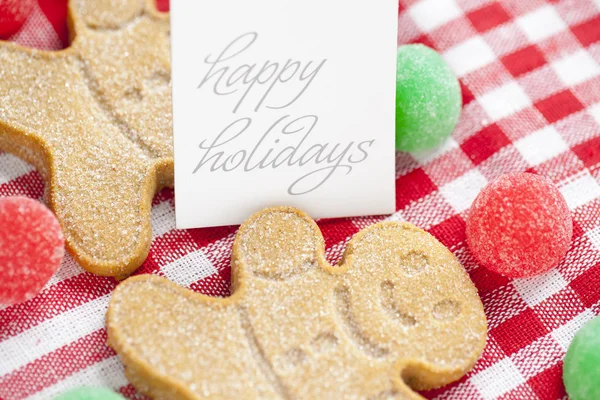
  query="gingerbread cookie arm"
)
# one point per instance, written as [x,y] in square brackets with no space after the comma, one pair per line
[411,296]
[102,154]
[98,182]
[399,314]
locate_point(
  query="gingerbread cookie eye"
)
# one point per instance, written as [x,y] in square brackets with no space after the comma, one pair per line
[278,245]
[108,14]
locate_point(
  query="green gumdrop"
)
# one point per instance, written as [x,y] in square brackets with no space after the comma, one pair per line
[428,98]
[581,371]
[90,393]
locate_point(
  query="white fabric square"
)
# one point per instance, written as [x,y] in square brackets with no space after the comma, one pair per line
[594,237]
[469,55]
[595,111]
[430,14]
[68,269]
[538,288]
[576,68]
[541,23]
[504,101]
[190,268]
[163,218]
[12,168]
[580,190]
[461,192]
[541,145]
[498,379]
[564,334]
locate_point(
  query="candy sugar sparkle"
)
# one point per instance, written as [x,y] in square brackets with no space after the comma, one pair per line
[428,98]
[31,248]
[519,226]
[581,372]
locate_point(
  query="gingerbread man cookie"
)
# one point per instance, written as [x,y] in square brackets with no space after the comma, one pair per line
[95,120]
[398,314]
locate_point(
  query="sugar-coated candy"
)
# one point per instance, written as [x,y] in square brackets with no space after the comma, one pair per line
[90,393]
[31,248]
[519,225]
[428,98]
[581,370]
[13,14]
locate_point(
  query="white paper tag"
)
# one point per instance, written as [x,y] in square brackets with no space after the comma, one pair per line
[281,102]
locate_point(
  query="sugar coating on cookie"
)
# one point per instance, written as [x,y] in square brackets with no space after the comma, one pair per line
[31,248]
[519,225]
[398,314]
[428,98]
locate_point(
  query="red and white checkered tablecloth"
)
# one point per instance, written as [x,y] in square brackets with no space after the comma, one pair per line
[530,73]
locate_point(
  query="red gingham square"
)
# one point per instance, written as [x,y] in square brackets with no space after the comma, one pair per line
[412,186]
[450,232]
[548,383]
[589,152]
[525,60]
[519,331]
[336,230]
[485,143]
[587,32]
[488,17]
[487,281]
[559,106]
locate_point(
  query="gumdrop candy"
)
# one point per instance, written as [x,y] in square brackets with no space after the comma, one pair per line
[90,393]
[31,248]
[428,98]
[581,370]
[519,226]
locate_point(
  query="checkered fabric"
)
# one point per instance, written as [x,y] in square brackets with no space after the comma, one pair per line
[530,74]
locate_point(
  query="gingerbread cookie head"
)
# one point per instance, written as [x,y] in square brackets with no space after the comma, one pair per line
[95,120]
[398,314]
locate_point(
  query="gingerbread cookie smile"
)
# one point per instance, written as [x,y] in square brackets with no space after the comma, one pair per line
[95,120]
[398,314]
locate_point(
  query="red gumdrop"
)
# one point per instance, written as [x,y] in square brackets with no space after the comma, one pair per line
[519,226]
[31,248]
[13,14]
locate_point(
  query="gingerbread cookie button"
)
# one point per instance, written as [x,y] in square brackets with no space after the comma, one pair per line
[399,314]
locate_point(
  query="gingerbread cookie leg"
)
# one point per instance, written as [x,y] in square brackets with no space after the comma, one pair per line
[399,314]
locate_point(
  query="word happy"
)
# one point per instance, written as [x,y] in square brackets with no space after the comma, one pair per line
[288,140]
